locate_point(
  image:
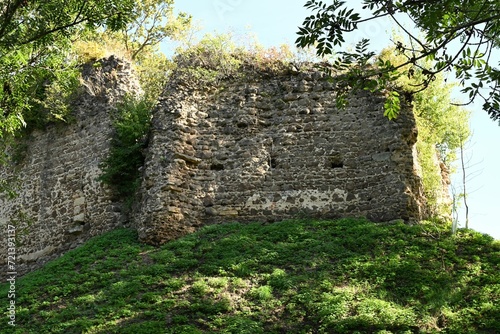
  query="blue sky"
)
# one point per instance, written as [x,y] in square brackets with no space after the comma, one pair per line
[275,22]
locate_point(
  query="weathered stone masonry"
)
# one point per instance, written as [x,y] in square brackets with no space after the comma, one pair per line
[258,147]
[263,149]
[61,203]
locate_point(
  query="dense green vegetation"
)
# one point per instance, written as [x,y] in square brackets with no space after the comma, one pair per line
[121,169]
[39,58]
[300,276]
[35,41]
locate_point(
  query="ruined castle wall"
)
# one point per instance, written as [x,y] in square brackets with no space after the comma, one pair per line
[263,148]
[256,147]
[61,204]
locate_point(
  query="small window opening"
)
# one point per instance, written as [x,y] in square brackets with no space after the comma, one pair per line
[217,166]
[273,162]
[336,161]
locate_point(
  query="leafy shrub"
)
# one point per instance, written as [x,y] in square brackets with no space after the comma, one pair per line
[264,292]
[271,59]
[210,60]
[121,168]
[215,58]
[86,51]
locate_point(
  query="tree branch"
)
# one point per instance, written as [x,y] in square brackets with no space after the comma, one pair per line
[407,32]
[8,15]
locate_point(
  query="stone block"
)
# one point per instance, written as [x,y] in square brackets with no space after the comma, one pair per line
[76,229]
[80,218]
[187,158]
[211,211]
[38,254]
[384,156]
[228,212]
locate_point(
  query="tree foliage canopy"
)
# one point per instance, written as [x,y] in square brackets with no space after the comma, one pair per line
[35,39]
[26,21]
[37,43]
[152,22]
[458,35]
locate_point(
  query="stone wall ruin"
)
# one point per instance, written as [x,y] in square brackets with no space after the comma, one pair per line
[61,204]
[264,148]
[259,146]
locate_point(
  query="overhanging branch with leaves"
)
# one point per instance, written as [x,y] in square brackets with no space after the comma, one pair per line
[472,25]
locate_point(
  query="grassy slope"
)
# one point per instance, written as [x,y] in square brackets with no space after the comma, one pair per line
[345,276]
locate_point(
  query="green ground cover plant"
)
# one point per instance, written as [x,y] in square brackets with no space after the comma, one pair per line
[296,276]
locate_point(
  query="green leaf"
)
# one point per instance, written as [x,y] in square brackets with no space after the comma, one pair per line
[392,105]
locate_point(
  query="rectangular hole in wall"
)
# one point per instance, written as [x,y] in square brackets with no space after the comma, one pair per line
[273,163]
[216,166]
[336,161]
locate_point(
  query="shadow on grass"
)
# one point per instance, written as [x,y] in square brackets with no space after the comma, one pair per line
[300,276]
